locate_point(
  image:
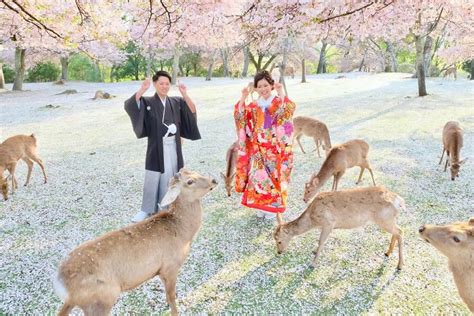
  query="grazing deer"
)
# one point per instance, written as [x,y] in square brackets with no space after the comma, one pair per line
[452,144]
[456,241]
[95,273]
[451,71]
[13,149]
[231,163]
[313,128]
[346,209]
[340,157]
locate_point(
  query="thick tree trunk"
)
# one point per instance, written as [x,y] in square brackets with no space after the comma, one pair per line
[2,77]
[225,61]
[393,57]
[245,69]
[471,71]
[174,76]
[211,64]
[303,71]
[64,64]
[420,66]
[322,59]
[427,55]
[19,68]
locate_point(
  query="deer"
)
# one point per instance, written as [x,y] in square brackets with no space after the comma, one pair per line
[95,273]
[347,209]
[452,144]
[13,149]
[340,157]
[456,241]
[231,163]
[451,71]
[304,125]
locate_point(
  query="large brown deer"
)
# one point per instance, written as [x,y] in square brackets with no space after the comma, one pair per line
[13,149]
[341,157]
[231,163]
[346,209]
[452,144]
[95,273]
[317,130]
[456,241]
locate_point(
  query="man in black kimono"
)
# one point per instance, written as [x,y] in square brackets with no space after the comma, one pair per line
[163,120]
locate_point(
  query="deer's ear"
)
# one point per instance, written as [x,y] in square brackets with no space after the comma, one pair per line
[222,175]
[471,221]
[233,175]
[315,181]
[463,161]
[171,195]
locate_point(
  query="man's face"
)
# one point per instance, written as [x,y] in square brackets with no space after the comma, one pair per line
[162,85]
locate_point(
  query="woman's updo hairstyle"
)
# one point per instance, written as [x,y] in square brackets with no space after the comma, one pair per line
[263,75]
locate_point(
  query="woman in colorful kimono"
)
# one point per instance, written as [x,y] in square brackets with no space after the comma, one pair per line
[265,156]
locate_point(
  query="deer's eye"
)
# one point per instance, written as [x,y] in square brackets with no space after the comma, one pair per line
[456,239]
[190,181]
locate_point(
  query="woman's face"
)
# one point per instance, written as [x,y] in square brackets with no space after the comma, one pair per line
[264,89]
[162,86]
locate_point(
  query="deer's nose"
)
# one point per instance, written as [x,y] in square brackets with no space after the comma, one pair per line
[421,229]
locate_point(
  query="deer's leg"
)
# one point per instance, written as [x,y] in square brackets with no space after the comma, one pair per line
[334,183]
[360,174]
[65,309]
[337,178]
[279,218]
[371,174]
[11,169]
[98,308]
[36,159]
[325,231]
[442,155]
[298,137]
[447,161]
[396,236]
[29,162]
[317,146]
[169,280]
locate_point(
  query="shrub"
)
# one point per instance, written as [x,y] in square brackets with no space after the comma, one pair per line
[43,72]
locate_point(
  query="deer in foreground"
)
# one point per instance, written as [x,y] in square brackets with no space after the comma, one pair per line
[346,209]
[341,157]
[231,163]
[13,149]
[456,241]
[96,272]
[313,128]
[452,144]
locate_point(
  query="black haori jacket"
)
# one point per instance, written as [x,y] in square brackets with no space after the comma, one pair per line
[147,122]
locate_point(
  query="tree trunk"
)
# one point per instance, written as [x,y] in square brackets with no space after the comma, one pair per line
[174,76]
[393,57]
[211,64]
[2,78]
[99,72]
[64,64]
[420,66]
[427,55]
[472,70]
[282,67]
[303,71]
[322,59]
[19,68]
[225,61]
[245,70]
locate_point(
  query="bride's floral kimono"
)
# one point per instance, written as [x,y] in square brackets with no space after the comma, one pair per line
[265,156]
